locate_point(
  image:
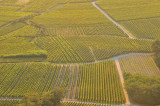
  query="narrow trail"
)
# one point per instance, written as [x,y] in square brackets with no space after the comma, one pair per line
[91,50]
[122,82]
[111,19]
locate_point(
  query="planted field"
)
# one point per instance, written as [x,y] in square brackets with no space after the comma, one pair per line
[71,15]
[75,49]
[11,28]
[9,16]
[96,29]
[144,65]
[26,31]
[95,82]
[41,6]
[75,45]
[16,49]
[143,28]
[127,9]
[99,83]
[80,104]
[73,19]
[9,103]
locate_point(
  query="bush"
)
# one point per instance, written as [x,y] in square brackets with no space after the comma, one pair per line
[143,89]
[156,50]
[50,98]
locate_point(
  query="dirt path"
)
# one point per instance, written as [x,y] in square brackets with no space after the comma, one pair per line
[122,82]
[91,50]
[111,19]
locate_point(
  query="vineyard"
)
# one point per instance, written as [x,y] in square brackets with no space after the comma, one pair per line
[130,10]
[81,82]
[74,49]
[86,47]
[71,21]
[147,65]
[144,28]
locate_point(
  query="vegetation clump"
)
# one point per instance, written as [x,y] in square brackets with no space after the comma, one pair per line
[156,50]
[50,98]
[143,89]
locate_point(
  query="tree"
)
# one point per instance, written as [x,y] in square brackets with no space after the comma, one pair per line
[50,98]
[156,46]
[31,100]
[156,50]
[143,89]
[58,95]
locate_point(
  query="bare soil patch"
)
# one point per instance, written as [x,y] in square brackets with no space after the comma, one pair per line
[23,1]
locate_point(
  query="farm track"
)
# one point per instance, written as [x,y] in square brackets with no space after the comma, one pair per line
[122,82]
[111,19]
